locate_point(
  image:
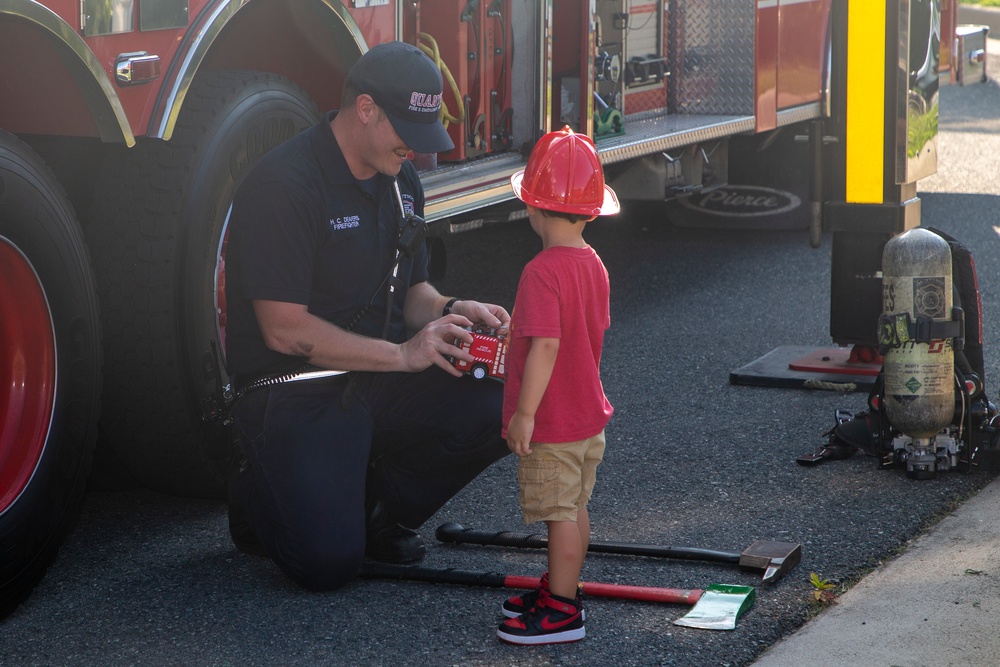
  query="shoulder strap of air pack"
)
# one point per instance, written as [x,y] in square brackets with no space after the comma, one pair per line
[966,288]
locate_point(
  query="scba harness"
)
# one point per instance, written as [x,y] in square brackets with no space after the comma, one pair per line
[973,436]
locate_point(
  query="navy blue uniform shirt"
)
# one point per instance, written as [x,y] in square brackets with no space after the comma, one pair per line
[304,230]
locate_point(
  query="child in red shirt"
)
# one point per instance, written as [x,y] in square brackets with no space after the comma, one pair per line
[555,410]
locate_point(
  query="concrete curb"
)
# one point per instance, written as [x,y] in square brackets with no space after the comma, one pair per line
[934,605]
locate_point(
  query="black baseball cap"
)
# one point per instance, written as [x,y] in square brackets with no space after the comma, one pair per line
[407,85]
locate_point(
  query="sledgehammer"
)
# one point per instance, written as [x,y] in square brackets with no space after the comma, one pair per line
[775,558]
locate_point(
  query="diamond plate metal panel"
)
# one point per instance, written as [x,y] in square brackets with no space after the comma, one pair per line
[711,56]
[655,132]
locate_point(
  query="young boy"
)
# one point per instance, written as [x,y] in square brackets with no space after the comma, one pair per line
[554,409]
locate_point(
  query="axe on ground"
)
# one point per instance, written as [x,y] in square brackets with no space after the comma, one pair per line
[775,558]
[714,608]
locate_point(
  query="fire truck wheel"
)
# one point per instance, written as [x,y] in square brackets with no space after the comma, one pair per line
[161,274]
[479,371]
[50,362]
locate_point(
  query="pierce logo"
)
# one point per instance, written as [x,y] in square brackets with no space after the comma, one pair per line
[743,201]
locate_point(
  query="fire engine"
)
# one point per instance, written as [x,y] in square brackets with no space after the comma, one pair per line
[489,355]
[126,125]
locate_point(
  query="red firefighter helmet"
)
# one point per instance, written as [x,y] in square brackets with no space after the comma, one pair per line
[564,174]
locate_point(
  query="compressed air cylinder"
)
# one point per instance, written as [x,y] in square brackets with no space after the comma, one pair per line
[919,377]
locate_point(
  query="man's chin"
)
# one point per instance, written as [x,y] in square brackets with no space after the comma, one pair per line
[391,170]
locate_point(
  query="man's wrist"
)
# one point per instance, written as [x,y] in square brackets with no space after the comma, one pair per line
[449,306]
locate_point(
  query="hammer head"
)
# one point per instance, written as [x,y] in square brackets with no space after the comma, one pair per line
[775,558]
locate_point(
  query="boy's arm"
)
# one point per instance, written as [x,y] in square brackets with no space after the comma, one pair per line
[537,372]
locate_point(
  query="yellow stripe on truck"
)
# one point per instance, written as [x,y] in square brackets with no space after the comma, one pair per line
[865,101]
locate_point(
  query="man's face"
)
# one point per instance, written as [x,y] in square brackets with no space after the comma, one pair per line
[387,151]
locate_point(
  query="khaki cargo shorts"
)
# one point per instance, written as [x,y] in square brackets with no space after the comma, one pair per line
[556,480]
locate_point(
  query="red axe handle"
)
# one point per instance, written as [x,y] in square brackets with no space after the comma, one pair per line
[499,580]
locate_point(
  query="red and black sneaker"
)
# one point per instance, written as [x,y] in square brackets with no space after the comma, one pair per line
[552,620]
[516,605]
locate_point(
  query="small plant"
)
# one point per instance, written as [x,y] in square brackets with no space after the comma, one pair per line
[822,589]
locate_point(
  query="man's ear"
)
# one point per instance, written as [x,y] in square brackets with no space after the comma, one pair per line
[366,108]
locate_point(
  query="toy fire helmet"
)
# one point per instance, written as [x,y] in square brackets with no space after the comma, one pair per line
[564,174]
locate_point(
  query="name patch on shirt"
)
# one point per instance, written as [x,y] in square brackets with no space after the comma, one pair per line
[345,222]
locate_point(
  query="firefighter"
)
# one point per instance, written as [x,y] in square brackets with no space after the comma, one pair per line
[554,409]
[320,272]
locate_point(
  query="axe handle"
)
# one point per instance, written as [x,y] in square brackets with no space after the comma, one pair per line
[535,541]
[498,580]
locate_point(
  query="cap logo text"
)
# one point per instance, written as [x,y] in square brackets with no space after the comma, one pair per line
[424,102]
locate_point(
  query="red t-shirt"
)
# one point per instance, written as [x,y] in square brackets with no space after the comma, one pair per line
[563,293]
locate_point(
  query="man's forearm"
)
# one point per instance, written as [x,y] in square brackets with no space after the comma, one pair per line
[424,304]
[291,329]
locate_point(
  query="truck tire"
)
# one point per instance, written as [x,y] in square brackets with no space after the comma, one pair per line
[50,369]
[157,227]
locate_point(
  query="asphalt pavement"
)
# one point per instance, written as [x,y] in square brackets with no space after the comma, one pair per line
[692,460]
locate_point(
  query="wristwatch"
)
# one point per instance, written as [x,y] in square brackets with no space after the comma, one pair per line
[448,306]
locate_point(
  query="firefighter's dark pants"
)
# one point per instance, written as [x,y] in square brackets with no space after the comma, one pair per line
[415,438]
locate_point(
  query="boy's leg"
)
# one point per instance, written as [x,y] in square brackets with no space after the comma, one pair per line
[583,524]
[566,554]
[572,538]
[588,477]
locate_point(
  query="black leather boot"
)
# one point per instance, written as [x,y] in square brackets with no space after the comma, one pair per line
[239,527]
[389,542]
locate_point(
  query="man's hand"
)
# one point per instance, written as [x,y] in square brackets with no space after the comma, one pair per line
[424,303]
[491,315]
[433,344]
[435,339]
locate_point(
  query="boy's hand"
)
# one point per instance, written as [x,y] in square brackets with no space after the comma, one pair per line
[519,434]
[537,371]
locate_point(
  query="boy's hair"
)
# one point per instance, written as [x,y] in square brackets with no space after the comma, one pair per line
[572,217]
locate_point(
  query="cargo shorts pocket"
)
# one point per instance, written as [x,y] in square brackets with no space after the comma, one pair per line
[536,479]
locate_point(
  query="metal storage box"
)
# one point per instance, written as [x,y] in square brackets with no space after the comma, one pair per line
[970,53]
